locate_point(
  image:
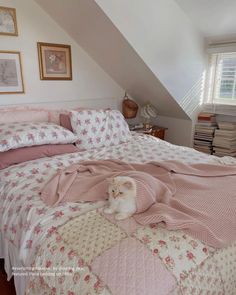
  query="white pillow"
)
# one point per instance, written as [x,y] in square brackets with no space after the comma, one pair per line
[22,134]
[99,128]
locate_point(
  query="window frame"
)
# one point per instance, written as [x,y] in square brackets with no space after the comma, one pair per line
[211,91]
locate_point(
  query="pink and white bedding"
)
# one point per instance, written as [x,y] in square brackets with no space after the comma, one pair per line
[99,128]
[168,192]
[21,134]
[90,252]
[30,153]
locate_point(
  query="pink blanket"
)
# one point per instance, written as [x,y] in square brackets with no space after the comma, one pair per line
[198,198]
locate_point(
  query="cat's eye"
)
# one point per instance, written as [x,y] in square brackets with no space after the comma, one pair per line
[121,193]
[113,191]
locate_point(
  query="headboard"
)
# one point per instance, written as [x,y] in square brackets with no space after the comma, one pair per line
[44,112]
[22,114]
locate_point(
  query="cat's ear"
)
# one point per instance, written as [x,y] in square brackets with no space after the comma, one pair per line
[128,184]
[110,180]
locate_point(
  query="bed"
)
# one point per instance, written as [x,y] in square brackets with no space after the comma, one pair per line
[58,250]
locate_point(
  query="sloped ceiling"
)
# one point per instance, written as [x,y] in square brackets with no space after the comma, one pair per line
[89,26]
[212,17]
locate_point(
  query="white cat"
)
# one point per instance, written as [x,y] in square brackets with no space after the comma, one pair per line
[122,197]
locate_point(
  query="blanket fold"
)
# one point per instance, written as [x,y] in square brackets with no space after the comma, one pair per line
[199,198]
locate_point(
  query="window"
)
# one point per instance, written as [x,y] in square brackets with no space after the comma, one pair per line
[221,84]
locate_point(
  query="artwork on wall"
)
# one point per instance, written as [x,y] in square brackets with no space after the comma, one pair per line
[8,24]
[54,61]
[11,77]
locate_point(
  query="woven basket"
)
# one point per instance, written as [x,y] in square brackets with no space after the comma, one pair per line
[129,108]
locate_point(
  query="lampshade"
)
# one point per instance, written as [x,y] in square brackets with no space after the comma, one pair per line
[148,111]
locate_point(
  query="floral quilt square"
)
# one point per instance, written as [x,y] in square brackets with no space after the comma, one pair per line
[178,251]
[57,269]
[90,234]
[226,262]
[205,279]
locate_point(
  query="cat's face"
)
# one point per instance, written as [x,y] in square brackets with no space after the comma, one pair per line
[120,187]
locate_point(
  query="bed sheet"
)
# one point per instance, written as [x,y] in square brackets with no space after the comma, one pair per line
[26,221]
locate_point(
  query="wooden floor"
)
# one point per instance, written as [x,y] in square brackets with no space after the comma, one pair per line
[6,288]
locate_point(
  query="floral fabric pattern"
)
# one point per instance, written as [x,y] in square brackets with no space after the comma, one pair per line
[226,262]
[71,276]
[90,235]
[204,280]
[97,129]
[16,135]
[28,224]
[178,251]
[21,210]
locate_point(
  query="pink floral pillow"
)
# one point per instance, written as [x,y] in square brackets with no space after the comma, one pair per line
[16,135]
[99,128]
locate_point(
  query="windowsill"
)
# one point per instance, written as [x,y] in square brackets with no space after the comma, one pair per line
[220,109]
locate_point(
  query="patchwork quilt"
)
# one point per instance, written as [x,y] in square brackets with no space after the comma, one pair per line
[74,248]
[93,254]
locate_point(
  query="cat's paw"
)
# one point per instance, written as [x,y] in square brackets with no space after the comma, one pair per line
[121,216]
[108,210]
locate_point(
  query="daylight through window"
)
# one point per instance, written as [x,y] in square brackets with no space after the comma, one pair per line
[221,87]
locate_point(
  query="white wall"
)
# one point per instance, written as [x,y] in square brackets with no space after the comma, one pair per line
[92,29]
[167,41]
[214,18]
[179,131]
[170,55]
[89,80]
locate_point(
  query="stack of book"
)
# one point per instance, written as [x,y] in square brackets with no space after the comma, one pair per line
[204,132]
[224,141]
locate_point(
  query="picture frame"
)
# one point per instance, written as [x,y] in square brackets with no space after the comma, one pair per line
[8,23]
[54,61]
[11,76]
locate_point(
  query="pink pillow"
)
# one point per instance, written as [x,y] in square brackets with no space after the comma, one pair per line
[25,154]
[65,121]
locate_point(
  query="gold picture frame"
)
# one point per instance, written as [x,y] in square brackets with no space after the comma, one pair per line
[54,61]
[8,23]
[11,75]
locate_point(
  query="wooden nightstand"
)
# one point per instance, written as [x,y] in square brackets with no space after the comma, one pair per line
[156,131]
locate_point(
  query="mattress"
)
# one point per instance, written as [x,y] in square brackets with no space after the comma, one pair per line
[172,262]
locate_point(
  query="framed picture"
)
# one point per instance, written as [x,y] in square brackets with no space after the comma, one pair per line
[54,61]
[8,24]
[11,78]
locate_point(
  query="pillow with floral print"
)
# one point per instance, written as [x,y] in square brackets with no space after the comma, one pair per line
[21,134]
[99,128]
